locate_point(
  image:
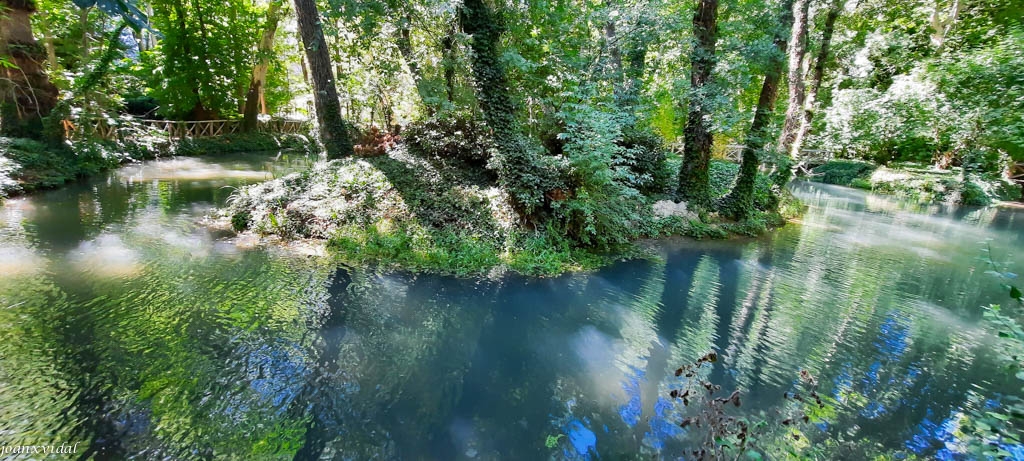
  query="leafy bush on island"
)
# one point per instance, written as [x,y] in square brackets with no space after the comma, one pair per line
[843,172]
[432,203]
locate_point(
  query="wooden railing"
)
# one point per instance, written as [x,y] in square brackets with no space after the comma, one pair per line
[103,129]
[734,153]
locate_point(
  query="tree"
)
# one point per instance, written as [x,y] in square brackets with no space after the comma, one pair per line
[26,93]
[694,179]
[740,200]
[201,67]
[797,51]
[254,99]
[334,130]
[942,25]
[820,62]
[404,43]
[519,169]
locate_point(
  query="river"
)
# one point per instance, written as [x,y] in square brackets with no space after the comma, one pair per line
[129,327]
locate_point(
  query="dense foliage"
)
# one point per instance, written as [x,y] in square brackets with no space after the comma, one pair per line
[926,82]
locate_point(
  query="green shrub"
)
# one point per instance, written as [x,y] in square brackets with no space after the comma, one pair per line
[453,137]
[843,172]
[973,195]
[861,183]
[645,155]
[601,210]
[241,220]
[766,194]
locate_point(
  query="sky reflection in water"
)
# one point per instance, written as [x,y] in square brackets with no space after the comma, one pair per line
[133,329]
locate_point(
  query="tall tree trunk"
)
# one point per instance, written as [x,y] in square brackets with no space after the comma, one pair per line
[405,49]
[942,26]
[820,62]
[614,54]
[333,128]
[740,200]
[51,49]
[448,62]
[200,111]
[258,81]
[797,51]
[627,67]
[83,22]
[636,63]
[694,180]
[26,93]
[519,171]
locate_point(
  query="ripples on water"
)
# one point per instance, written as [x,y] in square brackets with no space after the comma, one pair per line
[130,328]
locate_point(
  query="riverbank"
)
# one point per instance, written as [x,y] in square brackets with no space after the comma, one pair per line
[920,183]
[424,214]
[28,165]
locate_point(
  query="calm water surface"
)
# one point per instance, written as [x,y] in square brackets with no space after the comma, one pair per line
[127,326]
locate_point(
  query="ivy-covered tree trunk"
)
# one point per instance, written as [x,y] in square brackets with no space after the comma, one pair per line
[820,62]
[520,170]
[797,89]
[26,93]
[333,128]
[254,99]
[694,179]
[614,54]
[740,200]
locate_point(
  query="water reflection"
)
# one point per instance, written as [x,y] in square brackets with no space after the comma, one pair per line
[130,328]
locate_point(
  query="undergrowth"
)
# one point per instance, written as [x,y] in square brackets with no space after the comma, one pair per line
[413,211]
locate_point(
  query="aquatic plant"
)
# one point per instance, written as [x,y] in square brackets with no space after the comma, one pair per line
[721,434]
[992,432]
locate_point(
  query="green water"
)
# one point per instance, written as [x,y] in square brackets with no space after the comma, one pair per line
[129,327]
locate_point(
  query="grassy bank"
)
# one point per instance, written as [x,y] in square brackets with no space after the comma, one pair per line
[920,183]
[27,165]
[406,211]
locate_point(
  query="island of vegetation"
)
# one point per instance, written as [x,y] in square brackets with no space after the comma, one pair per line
[464,136]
